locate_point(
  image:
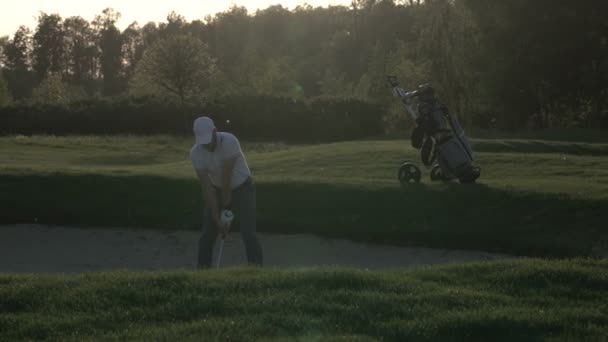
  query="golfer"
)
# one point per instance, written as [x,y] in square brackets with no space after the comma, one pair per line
[226,183]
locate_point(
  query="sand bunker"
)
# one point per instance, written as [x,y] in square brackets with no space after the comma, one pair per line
[51,249]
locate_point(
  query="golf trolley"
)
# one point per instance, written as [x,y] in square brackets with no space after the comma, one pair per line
[444,148]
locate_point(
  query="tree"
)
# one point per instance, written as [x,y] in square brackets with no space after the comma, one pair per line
[505,62]
[270,31]
[110,45]
[5,97]
[448,39]
[132,49]
[48,46]
[229,41]
[17,54]
[180,65]
[275,77]
[3,44]
[334,84]
[541,59]
[80,52]
[175,24]
[52,90]
[149,34]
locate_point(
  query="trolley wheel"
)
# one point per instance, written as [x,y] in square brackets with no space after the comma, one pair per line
[409,173]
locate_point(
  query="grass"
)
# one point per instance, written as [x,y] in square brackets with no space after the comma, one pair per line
[531,300]
[570,134]
[535,198]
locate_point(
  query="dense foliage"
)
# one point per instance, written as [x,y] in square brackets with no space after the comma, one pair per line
[499,63]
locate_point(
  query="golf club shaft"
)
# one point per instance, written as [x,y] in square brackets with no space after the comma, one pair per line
[219,257]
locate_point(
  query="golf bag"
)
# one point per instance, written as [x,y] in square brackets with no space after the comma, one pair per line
[438,135]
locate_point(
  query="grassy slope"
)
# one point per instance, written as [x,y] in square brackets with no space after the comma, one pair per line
[534,198]
[500,301]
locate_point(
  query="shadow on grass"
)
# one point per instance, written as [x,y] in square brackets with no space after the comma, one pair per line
[117,159]
[552,134]
[439,215]
[531,146]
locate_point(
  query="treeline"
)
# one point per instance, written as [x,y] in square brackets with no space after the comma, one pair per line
[496,63]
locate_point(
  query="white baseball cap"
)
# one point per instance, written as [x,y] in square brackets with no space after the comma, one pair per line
[203,130]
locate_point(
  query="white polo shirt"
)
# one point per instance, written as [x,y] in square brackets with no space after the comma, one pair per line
[228,146]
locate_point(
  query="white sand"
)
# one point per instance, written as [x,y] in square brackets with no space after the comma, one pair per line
[50,249]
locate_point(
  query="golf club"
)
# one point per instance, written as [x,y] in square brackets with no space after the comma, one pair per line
[219,256]
[226,216]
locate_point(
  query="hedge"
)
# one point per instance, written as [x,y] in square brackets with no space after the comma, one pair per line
[256,118]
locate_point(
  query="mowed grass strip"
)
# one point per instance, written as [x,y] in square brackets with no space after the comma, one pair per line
[534,198]
[525,300]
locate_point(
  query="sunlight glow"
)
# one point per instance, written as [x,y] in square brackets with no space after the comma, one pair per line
[25,12]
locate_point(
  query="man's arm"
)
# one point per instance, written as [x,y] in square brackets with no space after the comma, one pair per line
[227,168]
[209,196]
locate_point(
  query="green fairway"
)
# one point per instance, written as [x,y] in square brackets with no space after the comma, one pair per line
[500,301]
[535,198]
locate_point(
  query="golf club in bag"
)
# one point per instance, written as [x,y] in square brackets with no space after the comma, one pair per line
[438,135]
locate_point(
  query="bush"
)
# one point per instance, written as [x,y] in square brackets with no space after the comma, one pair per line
[255,118]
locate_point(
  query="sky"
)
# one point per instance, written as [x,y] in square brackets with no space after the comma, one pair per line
[25,12]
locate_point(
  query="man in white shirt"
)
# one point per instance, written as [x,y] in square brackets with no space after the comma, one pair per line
[226,182]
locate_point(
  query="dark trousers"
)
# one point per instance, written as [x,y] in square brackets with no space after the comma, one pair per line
[244,208]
